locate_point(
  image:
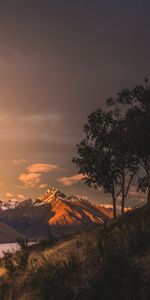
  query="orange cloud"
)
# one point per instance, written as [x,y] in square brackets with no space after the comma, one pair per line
[21,197]
[33,176]
[42,168]
[118,207]
[43,186]
[30,180]
[18,161]
[68,181]
[9,195]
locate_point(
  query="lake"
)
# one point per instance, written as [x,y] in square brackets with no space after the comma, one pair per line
[11,247]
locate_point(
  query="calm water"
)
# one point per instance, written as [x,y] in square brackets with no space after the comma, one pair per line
[11,247]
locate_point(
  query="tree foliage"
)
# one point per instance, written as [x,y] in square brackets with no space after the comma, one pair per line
[136,103]
[115,153]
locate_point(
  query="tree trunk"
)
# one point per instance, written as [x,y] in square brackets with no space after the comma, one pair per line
[114,206]
[148,194]
[122,205]
[148,179]
[114,201]
[123,192]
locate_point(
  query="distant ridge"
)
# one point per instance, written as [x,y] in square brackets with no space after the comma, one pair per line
[8,234]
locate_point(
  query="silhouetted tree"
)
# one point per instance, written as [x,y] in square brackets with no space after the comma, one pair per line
[105,157]
[136,107]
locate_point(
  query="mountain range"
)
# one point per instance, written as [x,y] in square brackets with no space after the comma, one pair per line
[53,213]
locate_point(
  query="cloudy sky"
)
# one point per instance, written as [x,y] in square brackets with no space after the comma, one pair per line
[59,60]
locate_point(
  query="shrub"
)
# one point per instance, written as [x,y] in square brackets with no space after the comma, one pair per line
[8,262]
[21,259]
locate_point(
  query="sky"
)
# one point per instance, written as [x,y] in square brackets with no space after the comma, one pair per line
[59,61]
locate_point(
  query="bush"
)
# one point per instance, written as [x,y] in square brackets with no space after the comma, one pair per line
[8,262]
[55,280]
[21,259]
[48,281]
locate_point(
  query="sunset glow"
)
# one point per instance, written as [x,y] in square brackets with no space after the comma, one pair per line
[51,79]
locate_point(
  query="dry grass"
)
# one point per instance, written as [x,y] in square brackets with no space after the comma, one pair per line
[110,262]
[3,271]
[59,252]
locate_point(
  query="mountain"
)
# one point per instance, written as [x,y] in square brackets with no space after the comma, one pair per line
[8,234]
[53,212]
[11,204]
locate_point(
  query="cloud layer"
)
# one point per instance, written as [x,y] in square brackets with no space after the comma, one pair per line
[21,197]
[42,168]
[68,181]
[30,180]
[9,195]
[33,176]
[18,161]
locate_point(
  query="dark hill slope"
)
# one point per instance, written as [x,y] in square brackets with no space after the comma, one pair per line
[30,221]
[8,234]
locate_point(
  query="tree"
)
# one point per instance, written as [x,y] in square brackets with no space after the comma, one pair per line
[136,106]
[104,156]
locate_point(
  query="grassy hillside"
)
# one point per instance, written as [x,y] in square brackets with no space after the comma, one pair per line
[110,262]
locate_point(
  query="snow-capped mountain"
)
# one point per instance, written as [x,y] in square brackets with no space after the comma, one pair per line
[13,203]
[46,198]
[49,197]
[53,211]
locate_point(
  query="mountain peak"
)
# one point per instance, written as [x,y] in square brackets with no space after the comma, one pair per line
[52,194]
